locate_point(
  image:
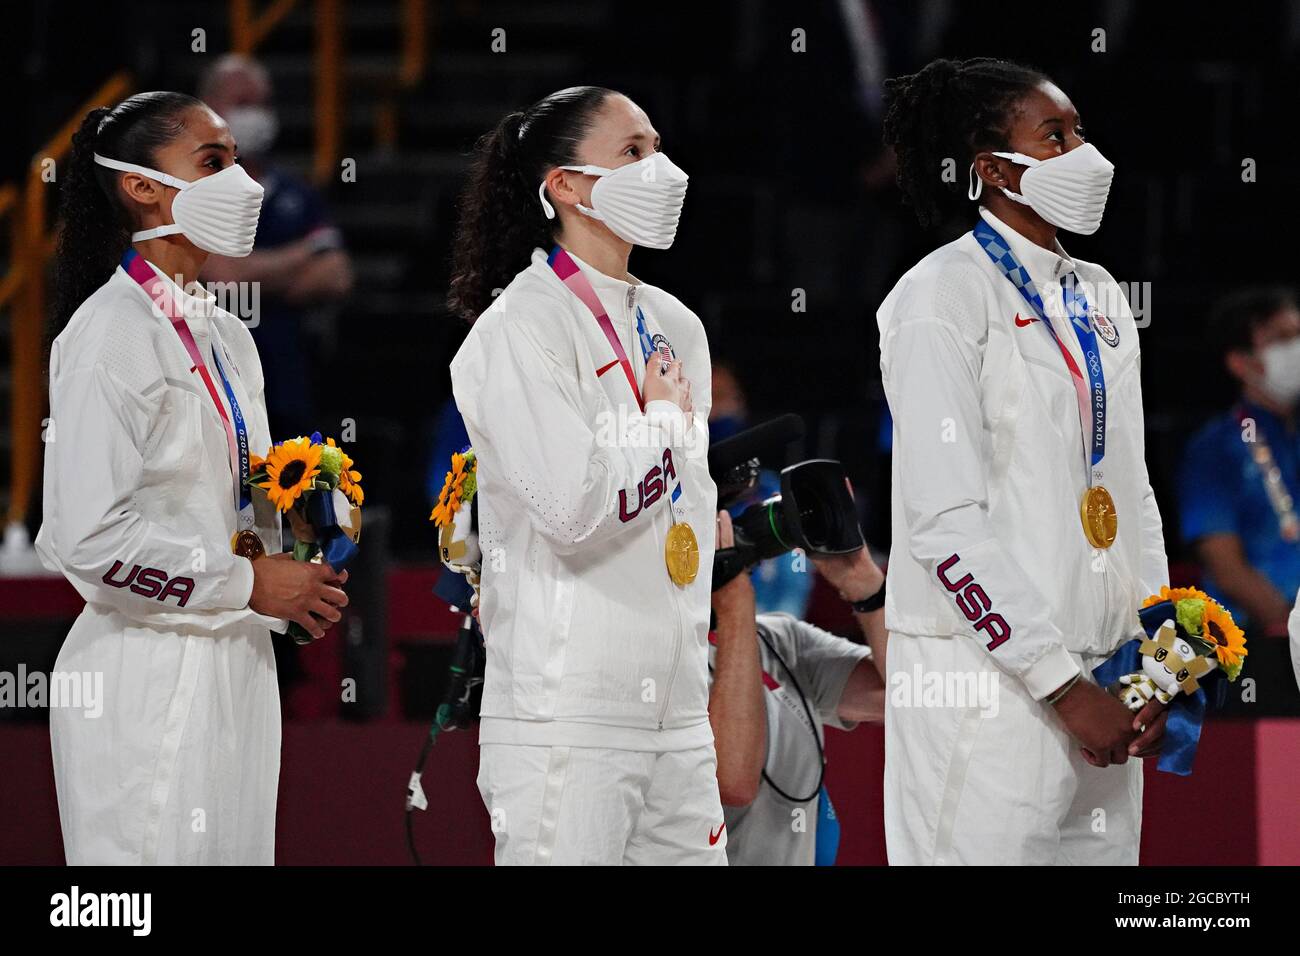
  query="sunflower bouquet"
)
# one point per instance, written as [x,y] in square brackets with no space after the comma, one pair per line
[315,484]
[453,515]
[1189,637]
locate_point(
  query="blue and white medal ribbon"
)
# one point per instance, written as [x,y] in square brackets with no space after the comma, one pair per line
[1097,509]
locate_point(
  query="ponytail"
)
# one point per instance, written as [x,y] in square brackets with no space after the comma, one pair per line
[91,235]
[945,113]
[94,228]
[501,218]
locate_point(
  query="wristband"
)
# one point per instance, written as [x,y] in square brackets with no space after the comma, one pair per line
[873,603]
[1051,701]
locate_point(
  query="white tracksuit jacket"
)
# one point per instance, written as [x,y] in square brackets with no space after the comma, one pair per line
[589,642]
[989,467]
[139,514]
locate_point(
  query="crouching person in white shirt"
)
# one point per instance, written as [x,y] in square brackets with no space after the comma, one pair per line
[776,684]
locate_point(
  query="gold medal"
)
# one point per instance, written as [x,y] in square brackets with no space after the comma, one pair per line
[1097,512]
[682,554]
[247,544]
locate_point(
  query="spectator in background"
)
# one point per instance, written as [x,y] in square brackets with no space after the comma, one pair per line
[776,682]
[1240,478]
[782,584]
[298,260]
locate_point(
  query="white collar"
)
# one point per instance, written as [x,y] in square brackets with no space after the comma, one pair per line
[197,304]
[599,281]
[1046,266]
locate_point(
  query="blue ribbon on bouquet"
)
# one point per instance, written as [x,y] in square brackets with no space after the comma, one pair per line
[336,548]
[1186,712]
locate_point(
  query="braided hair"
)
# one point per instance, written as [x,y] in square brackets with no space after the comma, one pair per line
[948,111]
[501,219]
[94,227]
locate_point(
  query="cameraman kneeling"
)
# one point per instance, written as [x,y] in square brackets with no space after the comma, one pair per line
[776,681]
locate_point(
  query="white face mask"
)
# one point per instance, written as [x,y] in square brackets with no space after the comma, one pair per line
[217,213]
[1069,190]
[254,128]
[1282,371]
[640,202]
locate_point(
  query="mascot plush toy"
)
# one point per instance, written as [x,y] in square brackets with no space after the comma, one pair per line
[1189,636]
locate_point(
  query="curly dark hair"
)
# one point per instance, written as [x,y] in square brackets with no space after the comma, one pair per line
[949,110]
[501,219]
[94,228]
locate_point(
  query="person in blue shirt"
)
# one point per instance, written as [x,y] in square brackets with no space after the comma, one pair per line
[299,263]
[782,584]
[1239,486]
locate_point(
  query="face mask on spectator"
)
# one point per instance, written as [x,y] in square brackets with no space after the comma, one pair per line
[1282,370]
[254,129]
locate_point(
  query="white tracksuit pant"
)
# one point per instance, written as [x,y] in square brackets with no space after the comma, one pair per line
[996,785]
[590,806]
[182,762]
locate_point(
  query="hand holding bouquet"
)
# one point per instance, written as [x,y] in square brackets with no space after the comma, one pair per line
[1189,637]
[315,484]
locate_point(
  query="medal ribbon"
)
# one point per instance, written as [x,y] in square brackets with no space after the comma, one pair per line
[567,271]
[1092,393]
[134,265]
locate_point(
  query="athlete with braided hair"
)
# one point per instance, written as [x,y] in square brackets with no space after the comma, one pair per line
[1025,532]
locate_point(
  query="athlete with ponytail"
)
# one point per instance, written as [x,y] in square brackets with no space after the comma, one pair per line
[173,754]
[585,392]
[1025,532]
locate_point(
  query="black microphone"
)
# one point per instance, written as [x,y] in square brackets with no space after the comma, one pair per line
[742,446]
[464,674]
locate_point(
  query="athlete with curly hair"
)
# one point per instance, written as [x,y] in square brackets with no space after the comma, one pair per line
[1025,531]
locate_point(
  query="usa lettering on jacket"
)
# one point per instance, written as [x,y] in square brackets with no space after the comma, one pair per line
[974,603]
[151,583]
[649,489]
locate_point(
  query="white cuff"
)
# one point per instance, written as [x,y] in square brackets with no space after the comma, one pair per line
[239,586]
[1049,672]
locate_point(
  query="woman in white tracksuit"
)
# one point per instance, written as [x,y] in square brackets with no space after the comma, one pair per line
[1023,540]
[585,392]
[156,401]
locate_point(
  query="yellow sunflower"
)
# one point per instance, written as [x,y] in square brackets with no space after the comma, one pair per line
[349,477]
[454,489]
[1228,640]
[1178,594]
[292,467]
[254,463]
[1217,627]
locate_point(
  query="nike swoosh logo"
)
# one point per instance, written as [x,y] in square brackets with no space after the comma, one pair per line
[1021,323]
[715,837]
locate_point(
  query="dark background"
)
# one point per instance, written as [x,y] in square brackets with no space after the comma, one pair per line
[790,188]
[789,184]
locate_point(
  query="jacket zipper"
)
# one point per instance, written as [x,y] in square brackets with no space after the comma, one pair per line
[1105,581]
[673,597]
[677,654]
